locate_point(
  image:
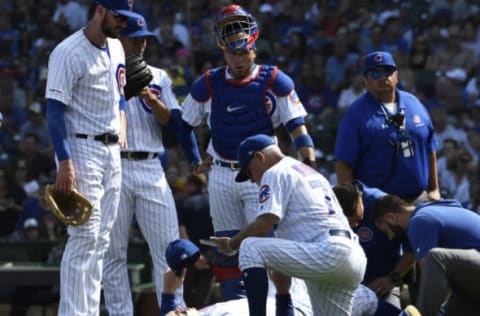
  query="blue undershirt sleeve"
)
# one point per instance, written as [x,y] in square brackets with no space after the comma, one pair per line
[122,104]
[185,136]
[293,123]
[56,128]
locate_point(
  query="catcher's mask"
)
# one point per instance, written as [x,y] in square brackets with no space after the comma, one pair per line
[235,28]
[71,209]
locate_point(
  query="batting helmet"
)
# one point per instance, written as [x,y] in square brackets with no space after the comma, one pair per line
[235,28]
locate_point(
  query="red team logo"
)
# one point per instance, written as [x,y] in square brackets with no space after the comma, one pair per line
[264,193]
[121,77]
[378,58]
[365,234]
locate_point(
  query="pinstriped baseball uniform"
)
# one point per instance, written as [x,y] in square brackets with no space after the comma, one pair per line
[233,204]
[311,241]
[86,79]
[145,193]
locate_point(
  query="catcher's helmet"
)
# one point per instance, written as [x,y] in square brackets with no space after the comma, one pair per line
[235,28]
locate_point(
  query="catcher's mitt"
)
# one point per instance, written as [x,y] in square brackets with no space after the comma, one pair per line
[138,75]
[73,209]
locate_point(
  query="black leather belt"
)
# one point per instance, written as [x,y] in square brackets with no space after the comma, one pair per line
[231,165]
[106,138]
[138,155]
[340,232]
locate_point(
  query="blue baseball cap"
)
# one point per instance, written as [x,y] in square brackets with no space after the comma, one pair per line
[122,7]
[181,253]
[378,59]
[247,149]
[136,27]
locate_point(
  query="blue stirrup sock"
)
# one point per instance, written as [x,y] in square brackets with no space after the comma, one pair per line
[284,305]
[256,284]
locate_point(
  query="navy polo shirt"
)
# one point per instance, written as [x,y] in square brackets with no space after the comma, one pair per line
[366,137]
[444,224]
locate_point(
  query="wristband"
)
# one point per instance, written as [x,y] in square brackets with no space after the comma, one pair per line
[303,141]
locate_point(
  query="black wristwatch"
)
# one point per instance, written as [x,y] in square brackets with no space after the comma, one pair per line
[395,277]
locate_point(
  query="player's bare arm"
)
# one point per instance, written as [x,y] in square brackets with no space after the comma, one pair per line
[65,176]
[344,172]
[123,130]
[160,110]
[433,186]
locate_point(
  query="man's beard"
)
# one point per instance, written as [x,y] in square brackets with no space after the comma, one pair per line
[108,31]
[399,233]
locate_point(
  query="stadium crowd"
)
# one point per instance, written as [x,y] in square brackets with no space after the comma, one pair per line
[436,45]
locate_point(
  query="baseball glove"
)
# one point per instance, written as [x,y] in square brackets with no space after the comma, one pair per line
[73,209]
[138,75]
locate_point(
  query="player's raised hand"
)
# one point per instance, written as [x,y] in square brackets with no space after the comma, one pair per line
[171,281]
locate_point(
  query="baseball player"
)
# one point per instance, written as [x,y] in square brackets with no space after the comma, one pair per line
[239,100]
[313,239]
[145,191]
[446,241]
[388,261]
[84,109]
[286,296]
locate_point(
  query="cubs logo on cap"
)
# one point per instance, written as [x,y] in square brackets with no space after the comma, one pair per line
[378,59]
[136,27]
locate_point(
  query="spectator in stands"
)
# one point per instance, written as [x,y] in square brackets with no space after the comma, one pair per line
[11,199]
[455,181]
[355,88]
[71,14]
[454,55]
[420,55]
[36,125]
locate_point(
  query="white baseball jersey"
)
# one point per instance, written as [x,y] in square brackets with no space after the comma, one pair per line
[305,246]
[365,303]
[232,204]
[239,307]
[88,80]
[145,194]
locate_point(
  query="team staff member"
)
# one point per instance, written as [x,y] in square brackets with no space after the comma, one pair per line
[313,240]
[84,104]
[386,138]
[385,266]
[145,191]
[446,240]
[239,100]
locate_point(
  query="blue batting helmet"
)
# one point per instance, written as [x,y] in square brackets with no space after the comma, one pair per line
[235,28]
